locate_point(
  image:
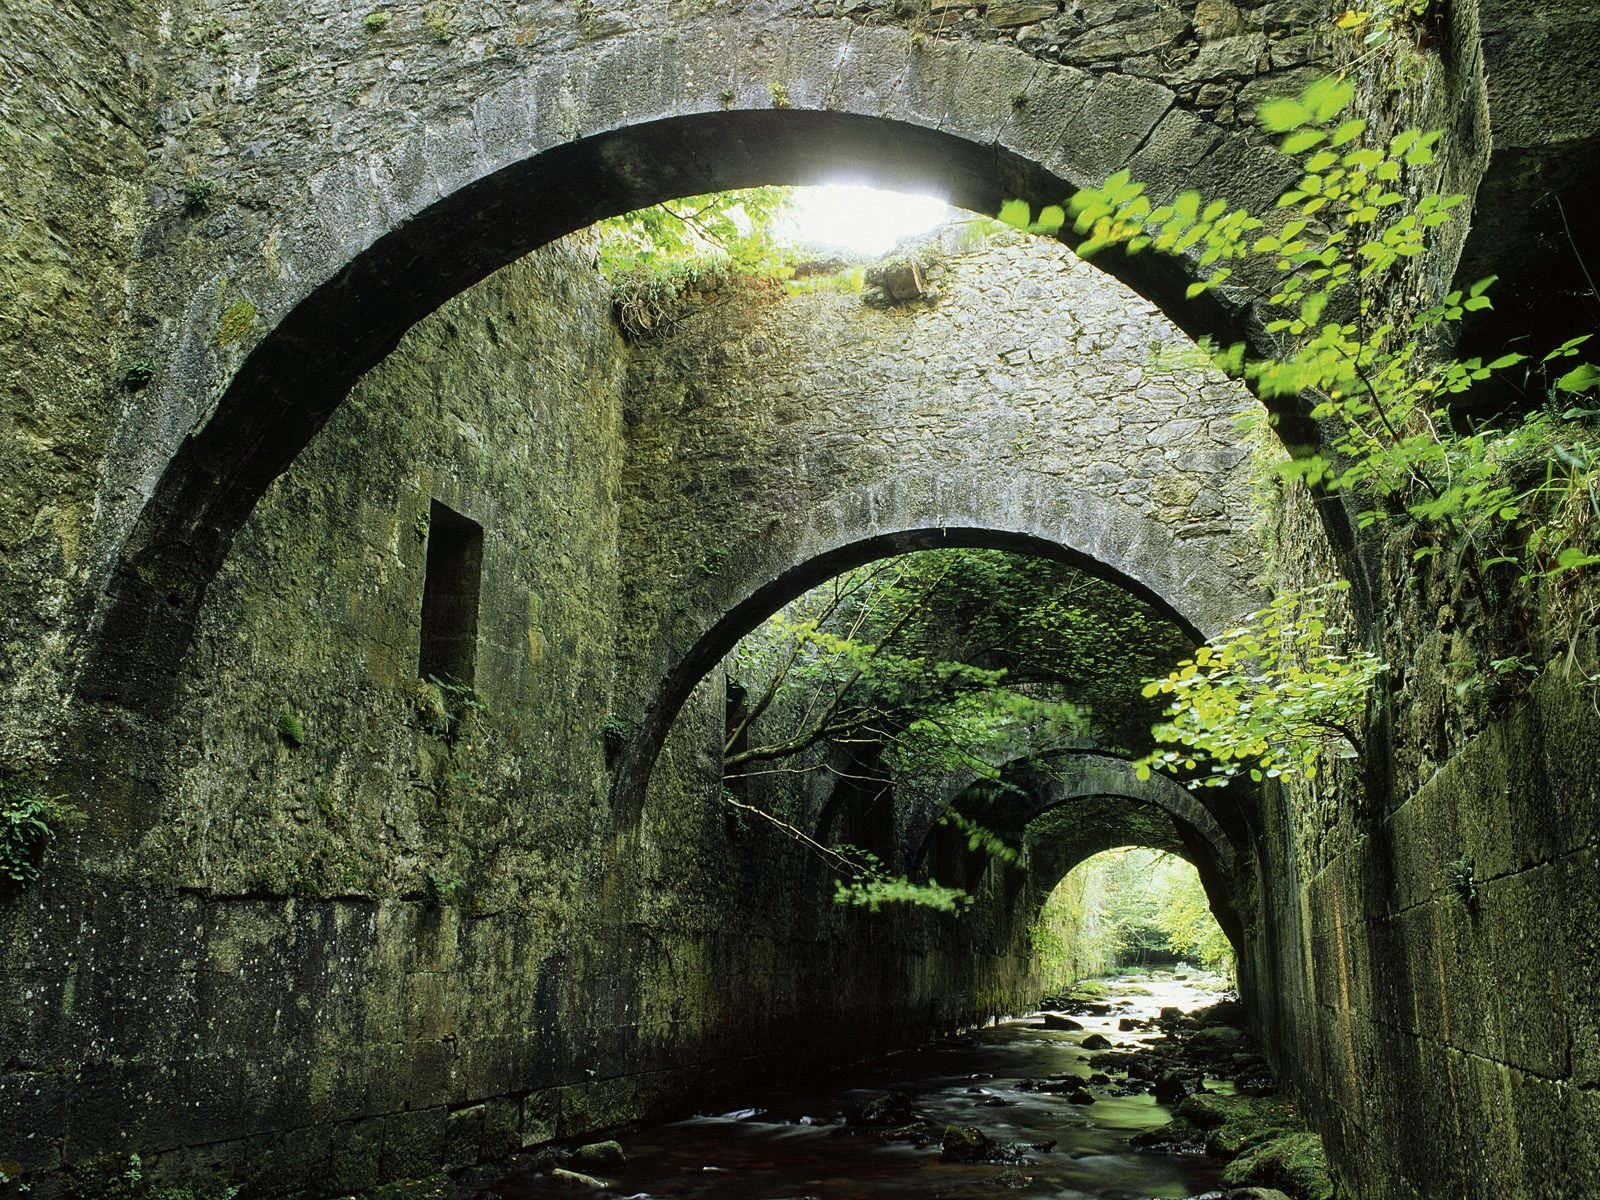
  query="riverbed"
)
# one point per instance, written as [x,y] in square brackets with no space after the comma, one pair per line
[821,1142]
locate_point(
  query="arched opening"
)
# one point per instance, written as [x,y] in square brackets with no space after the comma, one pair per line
[426,247]
[909,720]
[1130,909]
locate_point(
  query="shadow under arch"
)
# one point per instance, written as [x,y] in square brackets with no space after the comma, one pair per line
[295,377]
[749,607]
[1112,807]
[1074,776]
[1059,778]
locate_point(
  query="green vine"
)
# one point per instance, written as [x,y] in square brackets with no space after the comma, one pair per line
[1519,496]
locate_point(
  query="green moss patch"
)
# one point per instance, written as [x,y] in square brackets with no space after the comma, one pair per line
[235,322]
[1291,1162]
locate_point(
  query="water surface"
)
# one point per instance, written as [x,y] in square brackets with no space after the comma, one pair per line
[797,1143]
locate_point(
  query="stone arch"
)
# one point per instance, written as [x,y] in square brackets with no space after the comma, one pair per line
[1048,779]
[1059,778]
[378,231]
[1115,806]
[1096,535]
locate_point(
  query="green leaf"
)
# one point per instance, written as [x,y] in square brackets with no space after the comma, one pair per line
[1051,218]
[1328,97]
[1579,379]
[1572,558]
[1304,139]
[1282,115]
[1016,213]
[1348,131]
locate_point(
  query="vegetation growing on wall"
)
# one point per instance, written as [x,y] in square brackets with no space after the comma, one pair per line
[1513,501]
[30,821]
[1271,697]
[112,1177]
[684,256]
[1402,443]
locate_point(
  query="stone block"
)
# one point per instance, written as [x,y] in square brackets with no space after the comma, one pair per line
[540,1117]
[463,1136]
[1010,15]
[1577,913]
[1216,19]
[413,1143]
[1524,916]
[356,1155]
[502,1128]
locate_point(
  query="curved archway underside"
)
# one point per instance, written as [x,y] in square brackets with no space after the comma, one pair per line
[370,237]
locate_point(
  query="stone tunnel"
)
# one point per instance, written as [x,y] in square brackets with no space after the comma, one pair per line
[293,314]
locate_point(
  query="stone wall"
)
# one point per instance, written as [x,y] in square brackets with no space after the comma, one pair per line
[374,924]
[1428,937]
[219,215]
[76,98]
[1435,1017]
[764,437]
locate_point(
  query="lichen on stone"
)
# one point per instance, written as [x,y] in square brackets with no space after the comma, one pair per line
[235,322]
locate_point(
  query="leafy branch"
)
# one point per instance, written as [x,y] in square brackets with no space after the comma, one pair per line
[1391,405]
[909,669]
[1270,697]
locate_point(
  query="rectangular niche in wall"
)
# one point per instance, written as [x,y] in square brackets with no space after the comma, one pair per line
[450,596]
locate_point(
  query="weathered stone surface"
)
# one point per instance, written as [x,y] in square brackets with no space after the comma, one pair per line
[947,403]
[1009,16]
[1214,19]
[217,220]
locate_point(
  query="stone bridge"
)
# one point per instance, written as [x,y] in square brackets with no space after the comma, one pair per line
[342,212]
[289,330]
[769,450]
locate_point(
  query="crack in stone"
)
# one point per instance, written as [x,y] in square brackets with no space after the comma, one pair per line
[1011,116]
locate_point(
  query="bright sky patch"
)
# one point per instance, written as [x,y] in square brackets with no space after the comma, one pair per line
[841,216]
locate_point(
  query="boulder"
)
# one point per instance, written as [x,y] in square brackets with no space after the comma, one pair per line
[1225,1012]
[1060,1086]
[1057,1021]
[966,1144]
[577,1179]
[1209,1110]
[1292,1161]
[1096,1041]
[597,1156]
[881,1110]
[1175,1137]
[1172,1087]
[1217,1039]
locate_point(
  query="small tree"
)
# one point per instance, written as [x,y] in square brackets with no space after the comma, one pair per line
[1270,696]
[1515,502]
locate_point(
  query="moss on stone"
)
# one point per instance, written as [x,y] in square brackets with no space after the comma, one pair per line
[290,726]
[1291,1162]
[235,322]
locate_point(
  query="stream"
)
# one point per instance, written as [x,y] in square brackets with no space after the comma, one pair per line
[829,1143]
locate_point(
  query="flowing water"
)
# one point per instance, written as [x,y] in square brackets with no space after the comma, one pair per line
[795,1144]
